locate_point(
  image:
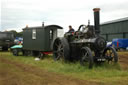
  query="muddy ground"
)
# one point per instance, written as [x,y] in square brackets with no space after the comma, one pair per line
[34,76]
[123,60]
[15,73]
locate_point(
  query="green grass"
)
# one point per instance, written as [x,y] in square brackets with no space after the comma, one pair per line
[105,74]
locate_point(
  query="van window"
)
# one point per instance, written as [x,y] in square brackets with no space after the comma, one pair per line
[34,34]
[51,34]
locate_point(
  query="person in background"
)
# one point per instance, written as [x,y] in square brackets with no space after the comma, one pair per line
[71,29]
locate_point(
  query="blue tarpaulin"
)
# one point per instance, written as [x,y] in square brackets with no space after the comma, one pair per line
[120,43]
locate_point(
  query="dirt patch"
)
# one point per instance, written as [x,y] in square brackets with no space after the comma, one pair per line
[35,76]
[123,60]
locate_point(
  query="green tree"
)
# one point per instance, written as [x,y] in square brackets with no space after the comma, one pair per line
[17,34]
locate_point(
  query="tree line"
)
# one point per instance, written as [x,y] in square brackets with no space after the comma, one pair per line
[17,34]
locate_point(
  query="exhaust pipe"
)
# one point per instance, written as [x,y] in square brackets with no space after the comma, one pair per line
[97,20]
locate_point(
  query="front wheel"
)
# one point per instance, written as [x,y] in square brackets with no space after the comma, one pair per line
[110,55]
[86,57]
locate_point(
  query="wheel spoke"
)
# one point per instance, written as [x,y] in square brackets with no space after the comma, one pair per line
[58,56]
[86,54]
[61,46]
[61,49]
[57,45]
[106,54]
[111,54]
[85,57]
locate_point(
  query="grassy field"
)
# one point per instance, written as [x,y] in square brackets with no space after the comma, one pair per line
[105,74]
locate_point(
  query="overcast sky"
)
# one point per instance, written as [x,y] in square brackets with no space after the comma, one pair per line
[16,14]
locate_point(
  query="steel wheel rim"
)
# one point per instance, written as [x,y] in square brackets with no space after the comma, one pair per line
[59,50]
[85,57]
[110,55]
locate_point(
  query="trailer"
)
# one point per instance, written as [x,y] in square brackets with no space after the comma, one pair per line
[37,41]
[6,40]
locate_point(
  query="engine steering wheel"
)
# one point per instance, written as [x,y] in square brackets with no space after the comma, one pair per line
[82,28]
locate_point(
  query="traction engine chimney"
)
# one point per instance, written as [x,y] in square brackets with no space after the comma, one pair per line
[97,20]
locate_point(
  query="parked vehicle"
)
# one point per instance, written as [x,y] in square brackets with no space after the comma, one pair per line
[18,40]
[119,43]
[6,40]
[85,45]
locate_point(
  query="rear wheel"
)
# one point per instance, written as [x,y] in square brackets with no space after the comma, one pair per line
[35,53]
[41,55]
[61,49]
[15,52]
[27,53]
[110,55]
[86,57]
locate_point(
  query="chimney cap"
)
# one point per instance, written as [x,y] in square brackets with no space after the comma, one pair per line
[26,26]
[96,9]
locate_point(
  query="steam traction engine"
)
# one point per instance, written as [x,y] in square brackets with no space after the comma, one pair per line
[85,45]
